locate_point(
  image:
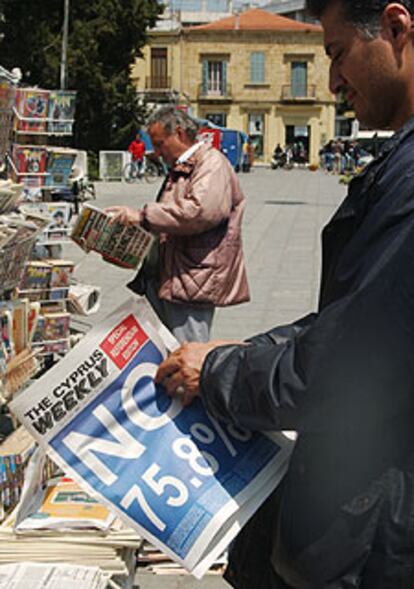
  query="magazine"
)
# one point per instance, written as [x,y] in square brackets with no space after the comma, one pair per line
[61,112]
[123,245]
[184,481]
[31,110]
[15,451]
[63,505]
[58,215]
[59,164]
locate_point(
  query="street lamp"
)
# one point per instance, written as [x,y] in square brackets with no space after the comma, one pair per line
[63,61]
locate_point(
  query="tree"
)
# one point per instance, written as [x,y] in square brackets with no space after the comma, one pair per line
[105,38]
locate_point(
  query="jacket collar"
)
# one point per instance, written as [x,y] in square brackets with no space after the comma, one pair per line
[185,168]
[397,138]
[360,186]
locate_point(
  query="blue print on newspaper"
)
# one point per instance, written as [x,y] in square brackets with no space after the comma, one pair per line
[167,468]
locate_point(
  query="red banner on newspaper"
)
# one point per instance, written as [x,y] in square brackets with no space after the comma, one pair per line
[124,341]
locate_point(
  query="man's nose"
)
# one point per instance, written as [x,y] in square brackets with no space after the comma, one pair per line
[336,81]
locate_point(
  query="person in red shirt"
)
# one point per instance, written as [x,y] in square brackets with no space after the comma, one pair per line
[137,150]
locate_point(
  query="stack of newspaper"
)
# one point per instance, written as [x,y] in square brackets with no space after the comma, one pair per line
[113,551]
[68,526]
[47,576]
[10,194]
[17,238]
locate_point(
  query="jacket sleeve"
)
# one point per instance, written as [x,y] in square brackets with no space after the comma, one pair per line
[350,367]
[283,333]
[199,203]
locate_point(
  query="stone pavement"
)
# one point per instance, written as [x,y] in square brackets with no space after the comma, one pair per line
[285,211]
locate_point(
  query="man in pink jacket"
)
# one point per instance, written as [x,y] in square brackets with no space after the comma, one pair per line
[197,216]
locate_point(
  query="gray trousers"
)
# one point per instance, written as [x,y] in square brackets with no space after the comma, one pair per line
[187,322]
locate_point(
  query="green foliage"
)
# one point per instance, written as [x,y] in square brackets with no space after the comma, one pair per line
[105,37]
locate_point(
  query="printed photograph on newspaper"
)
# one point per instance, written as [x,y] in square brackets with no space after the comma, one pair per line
[186,482]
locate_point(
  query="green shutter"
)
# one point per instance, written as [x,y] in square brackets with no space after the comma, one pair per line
[224,77]
[299,79]
[257,67]
[205,77]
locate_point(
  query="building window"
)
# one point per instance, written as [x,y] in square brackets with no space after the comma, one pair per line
[214,78]
[159,68]
[257,67]
[217,118]
[256,132]
[299,79]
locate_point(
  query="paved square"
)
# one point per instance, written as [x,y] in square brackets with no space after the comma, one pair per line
[285,211]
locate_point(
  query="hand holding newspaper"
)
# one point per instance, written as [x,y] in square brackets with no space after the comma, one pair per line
[184,481]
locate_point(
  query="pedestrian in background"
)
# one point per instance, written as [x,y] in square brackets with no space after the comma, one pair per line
[342,377]
[198,217]
[137,150]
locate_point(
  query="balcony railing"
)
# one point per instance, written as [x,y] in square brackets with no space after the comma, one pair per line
[158,83]
[220,91]
[294,94]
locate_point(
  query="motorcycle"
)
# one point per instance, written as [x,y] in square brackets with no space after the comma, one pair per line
[279,160]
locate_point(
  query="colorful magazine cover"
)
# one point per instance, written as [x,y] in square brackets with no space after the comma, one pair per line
[59,167]
[56,326]
[62,271]
[29,159]
[60,214]
[64,505]
[61,113]
[36,275]
[32,109]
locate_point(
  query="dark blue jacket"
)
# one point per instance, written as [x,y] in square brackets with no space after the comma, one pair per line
[344,379]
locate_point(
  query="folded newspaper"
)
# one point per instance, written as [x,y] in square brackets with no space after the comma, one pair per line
[122,245]
[186,482]
[62,505]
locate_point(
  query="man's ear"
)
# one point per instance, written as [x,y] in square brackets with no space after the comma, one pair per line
[181,134]
[396,24]
[179,130]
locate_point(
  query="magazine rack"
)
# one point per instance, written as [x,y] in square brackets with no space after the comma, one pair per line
[7,98]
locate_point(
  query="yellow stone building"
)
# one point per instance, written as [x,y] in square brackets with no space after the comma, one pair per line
[258,72]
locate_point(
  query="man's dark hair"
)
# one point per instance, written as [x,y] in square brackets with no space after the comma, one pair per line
[365,14]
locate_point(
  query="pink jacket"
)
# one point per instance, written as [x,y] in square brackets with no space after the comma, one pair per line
[198,219]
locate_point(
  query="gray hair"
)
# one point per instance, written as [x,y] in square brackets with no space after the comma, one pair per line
[170,118]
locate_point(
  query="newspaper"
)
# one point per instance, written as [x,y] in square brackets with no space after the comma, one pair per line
[119,244]
[57,504]
[47,576]
[184,481]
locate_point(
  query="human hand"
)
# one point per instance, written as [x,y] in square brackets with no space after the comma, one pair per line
[125,215]
[180,372]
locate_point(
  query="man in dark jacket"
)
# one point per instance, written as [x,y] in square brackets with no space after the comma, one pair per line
[343,378]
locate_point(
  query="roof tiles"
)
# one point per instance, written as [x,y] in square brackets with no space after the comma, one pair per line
[257,20]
